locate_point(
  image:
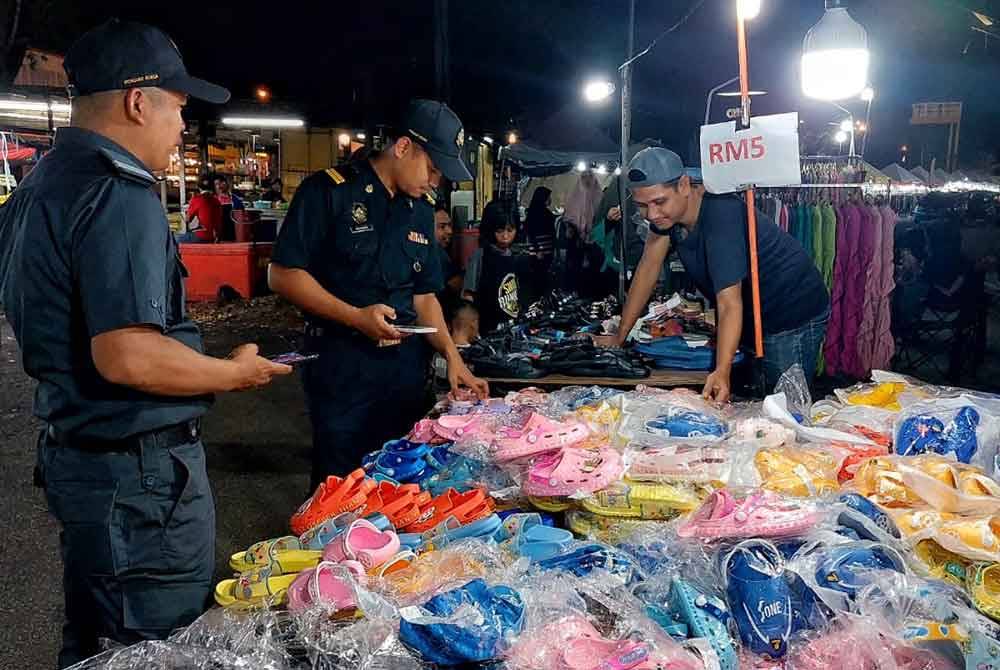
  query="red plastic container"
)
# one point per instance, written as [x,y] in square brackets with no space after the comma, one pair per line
[241,266]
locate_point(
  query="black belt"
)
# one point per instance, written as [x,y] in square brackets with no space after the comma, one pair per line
[171,436]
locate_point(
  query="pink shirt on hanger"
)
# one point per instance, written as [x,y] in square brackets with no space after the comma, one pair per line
[871,258]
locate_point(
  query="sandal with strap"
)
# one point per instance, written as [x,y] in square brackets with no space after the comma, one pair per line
[760,514]
[327,583]
[253,589]
[365,543]
[572,471]
[332,497]
[465,507]
[539,434]
[643,500]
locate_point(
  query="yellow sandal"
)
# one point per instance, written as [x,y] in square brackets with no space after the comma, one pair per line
[644,500]
[984,589]
[253,589]
[943,564]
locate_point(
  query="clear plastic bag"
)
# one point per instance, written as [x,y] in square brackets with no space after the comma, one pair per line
[795,387]
[964,426]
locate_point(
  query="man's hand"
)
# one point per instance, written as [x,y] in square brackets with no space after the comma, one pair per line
[254,371]
[615,214]
[372,322]
[717,386]
[459,375]
[608,341]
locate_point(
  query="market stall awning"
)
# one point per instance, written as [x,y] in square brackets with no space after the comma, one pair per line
[20,154]
[921,174]
[900,174]
[543,162]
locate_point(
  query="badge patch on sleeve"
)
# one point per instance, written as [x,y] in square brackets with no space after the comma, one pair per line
[359,219]
[419,238]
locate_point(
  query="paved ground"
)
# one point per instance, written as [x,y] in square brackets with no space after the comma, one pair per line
[258,455]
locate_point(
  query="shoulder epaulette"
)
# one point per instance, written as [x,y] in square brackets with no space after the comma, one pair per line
[430,198]
[337,178]
[125,168]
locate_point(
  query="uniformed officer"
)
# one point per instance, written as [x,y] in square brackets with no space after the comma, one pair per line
[357,253]
[93,288]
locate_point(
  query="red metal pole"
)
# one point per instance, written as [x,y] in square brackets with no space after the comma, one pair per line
[741,36]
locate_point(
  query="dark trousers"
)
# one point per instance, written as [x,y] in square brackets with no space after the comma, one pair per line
[137,541]
[360,396]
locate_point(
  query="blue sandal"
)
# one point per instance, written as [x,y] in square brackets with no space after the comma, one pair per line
[704,617]
[759,597]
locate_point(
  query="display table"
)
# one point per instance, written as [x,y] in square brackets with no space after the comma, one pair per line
[658,379]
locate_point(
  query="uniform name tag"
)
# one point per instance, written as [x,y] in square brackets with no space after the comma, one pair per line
[419,238]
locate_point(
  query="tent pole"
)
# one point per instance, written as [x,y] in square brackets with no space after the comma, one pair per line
[741,32]
[623,163]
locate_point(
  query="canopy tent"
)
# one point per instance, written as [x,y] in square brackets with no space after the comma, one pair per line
[537,162]
[941,177]
[873,174]
[559,143]
[900,174]
[958,176]
[920,173]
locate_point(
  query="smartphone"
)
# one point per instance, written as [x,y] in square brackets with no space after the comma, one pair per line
[293,358]
[416,330]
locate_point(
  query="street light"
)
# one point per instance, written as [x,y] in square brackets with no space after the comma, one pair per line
[835,55]
[512,137]
[868,94]
[747,9]
[840,137]
[598,90]
[261,122]
[262,93]
[846,125]
[581,167]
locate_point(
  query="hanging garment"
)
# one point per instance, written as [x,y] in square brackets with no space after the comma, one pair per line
[807,231]
[817,237]
[784,218]
[858,277]
[829,244]
[885,346]
[844,315]
[581,205]
[871,256]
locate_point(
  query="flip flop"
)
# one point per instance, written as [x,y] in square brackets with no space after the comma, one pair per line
[573,470]
[328,583]
[332,497]
[640,500]
[253,589]
[759,514]
[363,542]
[538,435]
[465,507]
[797,471]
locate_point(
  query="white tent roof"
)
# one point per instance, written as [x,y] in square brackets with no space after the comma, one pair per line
[941,176]
[958,176]
[920,173]
[900,174]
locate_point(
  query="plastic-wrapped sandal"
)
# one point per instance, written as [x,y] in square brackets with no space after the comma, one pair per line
[363,542]
[759,514]
[539,434]
[573,470]
[328,583]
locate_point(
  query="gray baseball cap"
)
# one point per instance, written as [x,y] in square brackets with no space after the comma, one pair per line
[654,166]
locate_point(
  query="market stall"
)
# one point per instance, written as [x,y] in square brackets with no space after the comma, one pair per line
[593,528]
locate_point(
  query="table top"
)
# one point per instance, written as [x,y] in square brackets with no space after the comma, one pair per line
[658,378]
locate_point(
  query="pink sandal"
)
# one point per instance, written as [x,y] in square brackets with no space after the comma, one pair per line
[456,427]
[572,471]
[760,514]
[539,434]
[328,583]
[685,463]
[364,543]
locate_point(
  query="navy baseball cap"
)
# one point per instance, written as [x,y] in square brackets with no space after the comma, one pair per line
[123,54]
[439,131]
[656,165]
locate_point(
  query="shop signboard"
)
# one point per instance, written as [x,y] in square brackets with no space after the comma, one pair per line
[765,154]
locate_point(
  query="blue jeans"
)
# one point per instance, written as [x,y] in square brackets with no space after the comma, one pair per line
[800,345]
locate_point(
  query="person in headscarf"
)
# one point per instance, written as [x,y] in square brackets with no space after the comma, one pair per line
[582,204]
[540,224]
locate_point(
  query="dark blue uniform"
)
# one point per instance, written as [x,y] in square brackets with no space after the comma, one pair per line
[365,247]
[124,471]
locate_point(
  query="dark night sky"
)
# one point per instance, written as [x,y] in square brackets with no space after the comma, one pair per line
[525,60]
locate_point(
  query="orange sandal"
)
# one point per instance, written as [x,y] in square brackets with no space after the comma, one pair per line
[332,497]
[399,503]
[465,507]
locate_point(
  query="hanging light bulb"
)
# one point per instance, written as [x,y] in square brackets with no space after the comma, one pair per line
[840,137]
[747,9]
[835,55]
[581,167]
[846,125]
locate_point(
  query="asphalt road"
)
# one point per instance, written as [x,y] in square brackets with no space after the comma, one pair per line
[258,459]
